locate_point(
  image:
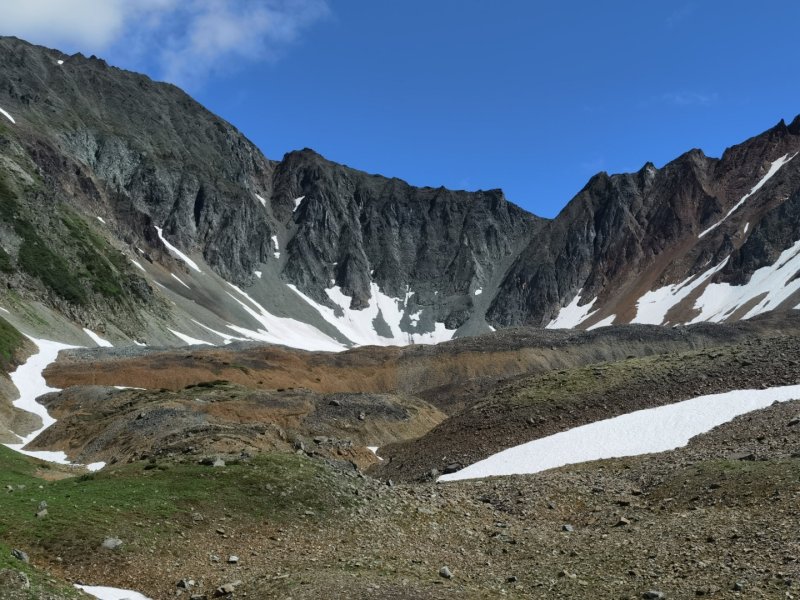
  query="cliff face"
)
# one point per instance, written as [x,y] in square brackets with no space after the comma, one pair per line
[109,179]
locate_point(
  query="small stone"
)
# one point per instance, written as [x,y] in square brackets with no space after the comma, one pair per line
[227,589]
[218,463]
[653,595]
[320,439]
[794,421]
[41,514]
[738,586]
[42,505]
[233,559]
[551,505]
[569,528]
[20,555]
[112,543]
[334,403]
[451,468]
[362,416]
[185,584]
[512,579]
[446,573]
[622,522]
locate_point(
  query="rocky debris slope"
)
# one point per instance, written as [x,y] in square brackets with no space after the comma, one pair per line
[721,509]
[220,420]
[529,408]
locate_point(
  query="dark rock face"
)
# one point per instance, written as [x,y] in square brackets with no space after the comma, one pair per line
[142,155]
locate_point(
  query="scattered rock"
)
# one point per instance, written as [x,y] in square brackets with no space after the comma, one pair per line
[568,528]
[218,463]
[794,421]
[226,589]
[622,522]
[446,573]
[451,468]
[653,595]
[334,403]
[185,584]
[41,514]
[20,555]
[233,559]
[112,543]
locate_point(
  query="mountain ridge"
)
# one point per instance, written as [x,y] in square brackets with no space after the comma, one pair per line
[220,242]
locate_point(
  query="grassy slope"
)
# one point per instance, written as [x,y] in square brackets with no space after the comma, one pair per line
[136,502]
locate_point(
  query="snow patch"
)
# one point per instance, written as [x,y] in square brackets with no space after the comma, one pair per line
[653,306]
[97,339]
[774,282]
[59,62]
[188,340]
[179,280]
[101,220]
[774,168]
[275,245]
[138,265]
[478,292]
[746,227]
[109,593]
[358,325]
[257,274]
[374,450]
[641,432]
[7,116]
[603,323]
[298,202]
[260,199]
[281,330]
[572,315]
[175,252]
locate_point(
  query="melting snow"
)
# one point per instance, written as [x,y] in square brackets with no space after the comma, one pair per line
[746,227]
[260,199]
[138,265]
[478,292]
[641,432]
[297,202]
[189,340]
[59,62]
[603,322]
[7,116]
[257,274]
[30,383]
[281,330]
[773,283]
[97,339]
[572,315]
[179,280]
[276,254]
[374,450]
[175,252]
[109,593]
[358,325]
[774,168]
[653,306]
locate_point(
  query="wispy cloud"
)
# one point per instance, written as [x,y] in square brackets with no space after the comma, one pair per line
[183,41]
[689,98]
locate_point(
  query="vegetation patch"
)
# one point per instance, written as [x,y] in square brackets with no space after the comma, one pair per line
[138,504]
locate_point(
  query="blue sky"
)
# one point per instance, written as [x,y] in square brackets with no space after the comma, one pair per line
[532,97]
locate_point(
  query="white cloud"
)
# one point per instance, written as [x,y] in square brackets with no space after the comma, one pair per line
[181,40]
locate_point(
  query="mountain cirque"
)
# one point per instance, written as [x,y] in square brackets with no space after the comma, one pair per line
[157,208]
[343,356]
